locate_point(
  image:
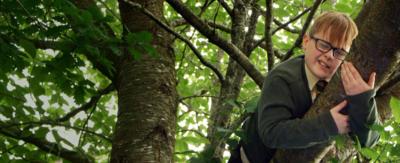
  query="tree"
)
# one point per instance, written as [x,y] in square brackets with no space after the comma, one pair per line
[79,32]
[146,93]
[72,70]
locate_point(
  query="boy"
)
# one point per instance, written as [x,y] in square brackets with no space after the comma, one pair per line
[290,89]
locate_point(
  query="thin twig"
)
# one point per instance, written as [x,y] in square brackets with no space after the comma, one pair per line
[182,21]
[195,131]
[196,96]
[45,145]
[226,7]
[85,126]
[190,108]
[290,21]
[185,152]
[303,31]
[285,27]
[88,105]
[259,42]
[54,123]
[42,25]
[166,27]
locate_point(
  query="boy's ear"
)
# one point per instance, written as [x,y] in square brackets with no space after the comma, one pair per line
[306,39]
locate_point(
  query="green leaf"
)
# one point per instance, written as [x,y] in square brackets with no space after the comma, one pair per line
[79,94]
[251,105]
[334,160]
[232,143]
[144,36]
[57,137]
[2,144]
[367,152]
[6,111]
[26,133]
[37,89]
[41,132]
[139,37]
[395,105]
[151,50]
[29,48]
[343,7]
[233,103]
[56,31]
[5,157]
[181,145]
[135,54]
[340,141]
[240,133]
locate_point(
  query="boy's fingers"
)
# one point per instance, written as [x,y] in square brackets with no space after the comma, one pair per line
[352,74]
[354,71]
[344,75]
[340,106]
[371,81]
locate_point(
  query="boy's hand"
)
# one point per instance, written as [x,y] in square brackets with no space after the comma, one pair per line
[341,120]
[352,81]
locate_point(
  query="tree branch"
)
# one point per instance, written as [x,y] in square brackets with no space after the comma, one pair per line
[219,26]
[185,152]
[252,27]
[388,86]
[205,6]
[84,5]
[195,131]
[190,108]
[268,38]
[226,7]
[233,126]
[303,31]
[60,45]
[93,101]
[46,146]
[195,96]
[55,123]
[228,47]
[284,25]
[167,28]
[180,22]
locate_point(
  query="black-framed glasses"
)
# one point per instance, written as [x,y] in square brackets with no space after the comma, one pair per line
[324,47]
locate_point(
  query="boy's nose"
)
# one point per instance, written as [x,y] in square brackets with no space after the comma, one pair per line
[329,54]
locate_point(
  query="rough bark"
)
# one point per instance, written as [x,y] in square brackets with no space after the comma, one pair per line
[230,88]
[376,49]
[216,39]
[147,95]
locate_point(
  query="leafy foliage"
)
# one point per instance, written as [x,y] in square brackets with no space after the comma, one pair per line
[57,57]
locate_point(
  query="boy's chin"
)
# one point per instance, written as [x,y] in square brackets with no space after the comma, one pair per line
[323,76]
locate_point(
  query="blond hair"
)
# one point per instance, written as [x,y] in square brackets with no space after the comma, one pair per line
[342,29]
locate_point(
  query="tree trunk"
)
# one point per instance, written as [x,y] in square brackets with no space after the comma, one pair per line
[376,49]
[230,88]
[147,97]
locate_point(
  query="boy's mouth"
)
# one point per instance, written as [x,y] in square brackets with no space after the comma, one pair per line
[323,64]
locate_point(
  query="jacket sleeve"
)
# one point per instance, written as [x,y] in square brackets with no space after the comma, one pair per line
[277,126]
[363,114]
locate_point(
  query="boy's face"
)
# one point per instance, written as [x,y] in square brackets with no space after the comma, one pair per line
[322,65]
